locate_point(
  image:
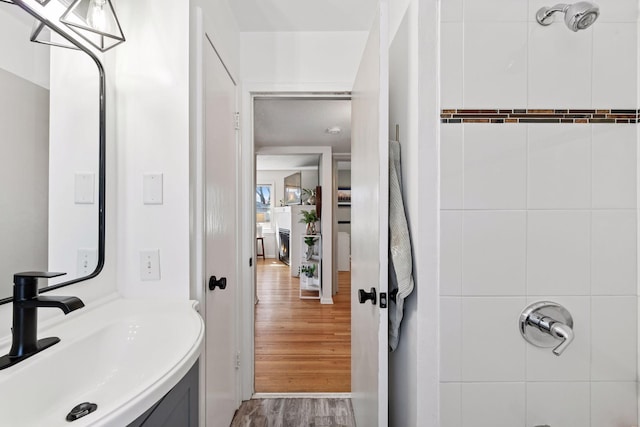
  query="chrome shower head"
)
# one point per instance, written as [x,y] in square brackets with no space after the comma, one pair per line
[581,15]
[577,16]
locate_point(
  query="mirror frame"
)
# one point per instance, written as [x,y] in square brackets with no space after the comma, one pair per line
[101,149]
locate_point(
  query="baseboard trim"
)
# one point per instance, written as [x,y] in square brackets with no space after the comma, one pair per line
[301,396]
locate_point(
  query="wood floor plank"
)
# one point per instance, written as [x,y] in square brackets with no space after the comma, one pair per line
[295,413]
[300,345]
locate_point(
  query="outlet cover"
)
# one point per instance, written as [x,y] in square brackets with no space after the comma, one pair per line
[84,194]
[152,189]
[87,261]
[150,264]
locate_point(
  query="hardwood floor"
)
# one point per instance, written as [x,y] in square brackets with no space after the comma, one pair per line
[300,345]
[295,413]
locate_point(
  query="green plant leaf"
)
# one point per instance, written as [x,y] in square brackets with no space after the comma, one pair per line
[308,216]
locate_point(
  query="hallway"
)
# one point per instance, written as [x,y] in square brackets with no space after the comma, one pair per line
[301,346]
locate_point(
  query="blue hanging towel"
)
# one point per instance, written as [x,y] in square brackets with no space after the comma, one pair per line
[400,259]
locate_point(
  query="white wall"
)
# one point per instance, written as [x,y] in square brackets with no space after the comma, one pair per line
[157,133]
[538,212]
[152,81]
[74,148]
[19,55]
[301,57]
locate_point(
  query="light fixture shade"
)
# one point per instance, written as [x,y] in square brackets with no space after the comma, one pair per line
[40,33]
[96,22]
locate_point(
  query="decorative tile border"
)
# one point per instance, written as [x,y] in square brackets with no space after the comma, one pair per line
[539,116]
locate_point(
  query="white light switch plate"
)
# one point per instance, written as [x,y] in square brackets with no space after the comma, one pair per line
[152,189]
[87,261]
[150,264]
[84,194]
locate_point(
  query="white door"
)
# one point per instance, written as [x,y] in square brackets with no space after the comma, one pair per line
[369,204]
[220,246]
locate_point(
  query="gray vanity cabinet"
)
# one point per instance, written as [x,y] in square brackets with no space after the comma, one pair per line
[178,408]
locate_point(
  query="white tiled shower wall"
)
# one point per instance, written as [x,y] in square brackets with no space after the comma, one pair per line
[538,212]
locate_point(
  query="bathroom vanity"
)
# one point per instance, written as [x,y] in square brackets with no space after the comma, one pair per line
[179,407]
[135,359]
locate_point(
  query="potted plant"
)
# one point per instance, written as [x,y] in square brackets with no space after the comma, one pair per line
[307,273]
[310,218]
[308,270]
[310,241]
[310,195]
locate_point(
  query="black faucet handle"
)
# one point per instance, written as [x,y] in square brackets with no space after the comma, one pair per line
[26,284]
[30,277]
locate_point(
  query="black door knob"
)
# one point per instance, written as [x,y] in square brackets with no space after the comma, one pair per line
[220,283]
[364,296]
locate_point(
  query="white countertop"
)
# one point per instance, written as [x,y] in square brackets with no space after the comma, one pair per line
[123,355]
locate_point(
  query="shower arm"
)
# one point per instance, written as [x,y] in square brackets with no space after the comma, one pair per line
[545,15]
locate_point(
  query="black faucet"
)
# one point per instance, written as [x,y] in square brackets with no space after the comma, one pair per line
[25,342]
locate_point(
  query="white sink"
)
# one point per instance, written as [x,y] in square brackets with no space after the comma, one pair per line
[124,356]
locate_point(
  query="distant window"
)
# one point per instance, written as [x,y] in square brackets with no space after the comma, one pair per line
[263,203]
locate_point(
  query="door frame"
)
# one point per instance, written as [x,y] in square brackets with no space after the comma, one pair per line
[247,205]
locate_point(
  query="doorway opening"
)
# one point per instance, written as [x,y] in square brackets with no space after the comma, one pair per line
[302,321]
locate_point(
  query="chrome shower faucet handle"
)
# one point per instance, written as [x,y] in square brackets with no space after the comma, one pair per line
[544,323]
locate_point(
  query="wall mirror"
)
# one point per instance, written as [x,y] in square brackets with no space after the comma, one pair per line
[52,146]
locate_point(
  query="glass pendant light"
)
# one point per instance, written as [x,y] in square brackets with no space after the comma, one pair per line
[96,22]
[96,15]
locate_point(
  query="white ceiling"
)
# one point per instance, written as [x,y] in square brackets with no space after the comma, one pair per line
[293,122]
[304,15]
